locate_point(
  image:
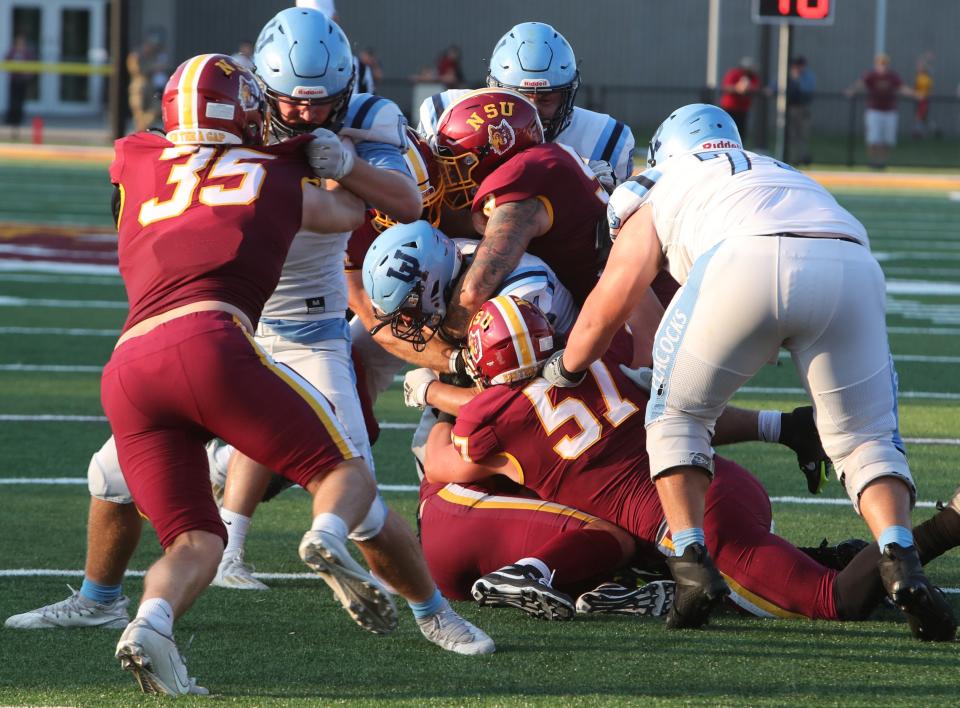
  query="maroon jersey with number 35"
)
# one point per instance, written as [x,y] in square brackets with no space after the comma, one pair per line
[574,199]
[205,223]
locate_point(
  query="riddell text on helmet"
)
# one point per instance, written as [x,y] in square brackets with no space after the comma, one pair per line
[719,144]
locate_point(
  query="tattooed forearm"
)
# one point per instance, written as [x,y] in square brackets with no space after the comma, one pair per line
[508,233]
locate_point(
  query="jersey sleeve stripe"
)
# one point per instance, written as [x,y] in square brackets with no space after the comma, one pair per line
[612,141]
[518,276]
[437,99]
[360,119]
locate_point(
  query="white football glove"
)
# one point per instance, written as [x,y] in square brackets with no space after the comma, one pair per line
[556,375]
[415,385]
[642,376]
[603,171]
[625,200]
[329,156]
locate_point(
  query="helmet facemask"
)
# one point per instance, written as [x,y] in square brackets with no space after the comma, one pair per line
[283,130]
[561,119]
[410,322]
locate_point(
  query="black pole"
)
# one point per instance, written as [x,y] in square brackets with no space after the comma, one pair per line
[119,79]
[759,121]
[851,130]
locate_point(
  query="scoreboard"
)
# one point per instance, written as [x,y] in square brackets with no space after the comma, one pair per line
[794,12]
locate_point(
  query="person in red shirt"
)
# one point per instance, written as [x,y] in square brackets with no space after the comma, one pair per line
[567,445]
[737,90]
[206,215]
[882,85]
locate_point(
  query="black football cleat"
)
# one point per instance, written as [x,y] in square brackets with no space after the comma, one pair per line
[836,557]
[798,431]
[653,599]
[523,587]
[699,588]
[929,615]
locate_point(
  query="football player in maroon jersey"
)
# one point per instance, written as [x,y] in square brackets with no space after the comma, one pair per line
[567,445]
[206,216]
[524,194]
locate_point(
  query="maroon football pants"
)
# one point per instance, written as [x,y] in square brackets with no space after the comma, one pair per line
[166,393]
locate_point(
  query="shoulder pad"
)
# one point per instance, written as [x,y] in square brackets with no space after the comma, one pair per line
[374,119]
[433,107]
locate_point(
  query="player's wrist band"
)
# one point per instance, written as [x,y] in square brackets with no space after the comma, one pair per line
[444,417]
[573,376]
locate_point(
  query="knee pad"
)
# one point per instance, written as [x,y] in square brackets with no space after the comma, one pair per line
[871,461]
[372,523]
[104,477]
[678,441]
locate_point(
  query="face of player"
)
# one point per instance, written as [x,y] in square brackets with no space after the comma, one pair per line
[547,103]
[300,112]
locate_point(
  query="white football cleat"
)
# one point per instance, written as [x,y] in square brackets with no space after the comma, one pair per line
[75,611]
[155,662]
[218,469]
[452,632]
[362,597]
[233,573]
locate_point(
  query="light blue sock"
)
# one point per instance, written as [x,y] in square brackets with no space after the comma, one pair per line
[100,593]
[895,534]
[687,537]
[430,606]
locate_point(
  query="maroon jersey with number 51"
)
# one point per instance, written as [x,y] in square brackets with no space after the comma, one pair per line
[205,223]
[584,447]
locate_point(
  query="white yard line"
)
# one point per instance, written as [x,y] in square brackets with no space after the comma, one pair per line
[7,301]
[71,331]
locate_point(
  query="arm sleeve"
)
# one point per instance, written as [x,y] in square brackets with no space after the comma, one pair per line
[473,434]
[382,156]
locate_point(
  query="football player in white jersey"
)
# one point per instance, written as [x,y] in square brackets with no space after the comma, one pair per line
[536,60]
[767,259]
[303,323]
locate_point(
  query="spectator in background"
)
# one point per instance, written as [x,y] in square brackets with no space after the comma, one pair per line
[449,70]
[801,83]
[922,88]
[144,65]
[737,90]
[19,84]
[882,85]
[368,58]
[244,54]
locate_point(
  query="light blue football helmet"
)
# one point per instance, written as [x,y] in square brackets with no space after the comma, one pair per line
[409,273]
[533,58]
[696,125]
[300,54]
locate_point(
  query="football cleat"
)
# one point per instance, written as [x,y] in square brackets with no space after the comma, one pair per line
[929,615]
[218,470]
[75,611]
[798,431]
[523,587]
[362,597]
[452,632]
[699,588]
[837,557]
[153,659]
[653,599]
[234,573]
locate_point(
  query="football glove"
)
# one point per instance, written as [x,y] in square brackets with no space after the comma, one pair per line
[415,385]
[556,375]
[799,432]
[603,171]
[328,155]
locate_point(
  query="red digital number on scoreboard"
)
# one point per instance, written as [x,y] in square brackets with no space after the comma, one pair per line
[803,11]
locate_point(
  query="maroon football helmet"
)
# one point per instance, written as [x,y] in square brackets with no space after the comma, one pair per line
[212,100]
[507,341]
[424,168]
[479,133]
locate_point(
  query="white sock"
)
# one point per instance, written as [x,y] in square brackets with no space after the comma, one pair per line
[331,523]
[158,613]
[539,565]
[237,527]
[768,426]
